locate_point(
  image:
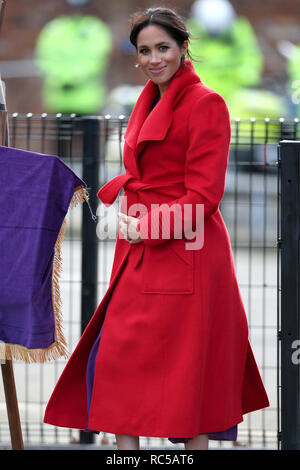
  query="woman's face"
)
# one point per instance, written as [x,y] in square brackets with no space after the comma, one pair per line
[159,55]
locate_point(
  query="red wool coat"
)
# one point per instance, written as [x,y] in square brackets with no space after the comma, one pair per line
[174,357]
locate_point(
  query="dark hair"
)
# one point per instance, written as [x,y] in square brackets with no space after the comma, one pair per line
[164,17]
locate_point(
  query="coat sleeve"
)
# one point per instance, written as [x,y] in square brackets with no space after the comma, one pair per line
[205,172]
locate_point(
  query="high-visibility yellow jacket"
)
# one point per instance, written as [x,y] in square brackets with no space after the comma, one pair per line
[72,52]
[228,61]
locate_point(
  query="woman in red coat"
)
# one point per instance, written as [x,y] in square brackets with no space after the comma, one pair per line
[166,354]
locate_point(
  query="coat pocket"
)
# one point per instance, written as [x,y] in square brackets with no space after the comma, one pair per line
[168,268]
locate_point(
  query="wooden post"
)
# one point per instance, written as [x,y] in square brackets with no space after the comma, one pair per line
[12,405]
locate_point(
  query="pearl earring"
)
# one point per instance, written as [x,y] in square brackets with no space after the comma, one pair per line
[137,65]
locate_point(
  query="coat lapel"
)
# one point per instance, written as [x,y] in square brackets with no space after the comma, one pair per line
[142,126]
[139,115]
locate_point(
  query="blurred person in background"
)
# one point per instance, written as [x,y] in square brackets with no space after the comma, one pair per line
[231,55]
[293,73]
[72,52]
[232,62]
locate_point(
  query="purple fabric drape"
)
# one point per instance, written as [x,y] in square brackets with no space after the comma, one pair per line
[36,191]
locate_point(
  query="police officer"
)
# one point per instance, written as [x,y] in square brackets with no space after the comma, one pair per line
[229,60]
[72,53]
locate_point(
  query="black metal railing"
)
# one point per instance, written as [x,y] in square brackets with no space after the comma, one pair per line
[92,147]
[288,299]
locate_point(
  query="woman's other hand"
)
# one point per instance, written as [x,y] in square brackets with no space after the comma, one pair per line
[129,229]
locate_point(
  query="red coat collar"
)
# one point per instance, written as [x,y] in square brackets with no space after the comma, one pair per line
[154,126]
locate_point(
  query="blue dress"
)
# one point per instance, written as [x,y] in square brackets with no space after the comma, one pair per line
[226,435]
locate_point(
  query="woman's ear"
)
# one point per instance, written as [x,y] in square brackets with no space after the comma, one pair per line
[185,47]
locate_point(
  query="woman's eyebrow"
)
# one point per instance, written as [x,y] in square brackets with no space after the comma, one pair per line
[158,44]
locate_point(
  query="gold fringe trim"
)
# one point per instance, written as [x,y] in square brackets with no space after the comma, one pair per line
[79,196]
[59,348]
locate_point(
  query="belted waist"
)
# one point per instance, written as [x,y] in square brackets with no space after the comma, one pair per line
[109,191]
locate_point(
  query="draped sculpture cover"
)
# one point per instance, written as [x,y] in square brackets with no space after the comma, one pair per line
[36,193]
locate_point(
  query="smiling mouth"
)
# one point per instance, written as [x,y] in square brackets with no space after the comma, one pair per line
[157,70]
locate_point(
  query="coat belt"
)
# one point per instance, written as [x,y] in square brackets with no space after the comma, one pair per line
[109,192]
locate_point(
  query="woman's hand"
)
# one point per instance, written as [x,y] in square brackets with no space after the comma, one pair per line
[128,227]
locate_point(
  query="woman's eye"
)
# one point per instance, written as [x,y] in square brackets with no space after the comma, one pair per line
[164,48]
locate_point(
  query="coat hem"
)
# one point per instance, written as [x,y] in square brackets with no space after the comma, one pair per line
[61,425]
[256,408]
[156,434]
[163,434]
